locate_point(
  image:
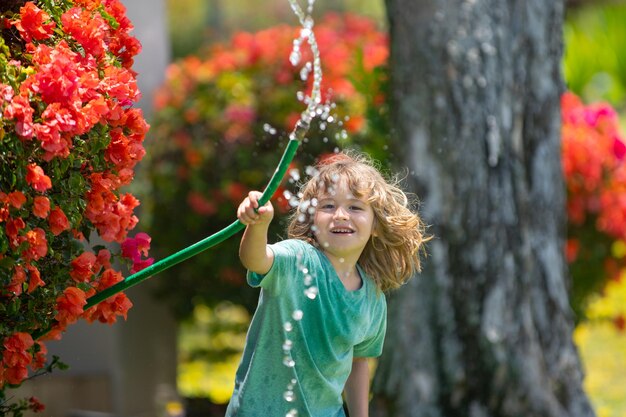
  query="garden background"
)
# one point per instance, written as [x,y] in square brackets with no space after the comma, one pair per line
[186,135]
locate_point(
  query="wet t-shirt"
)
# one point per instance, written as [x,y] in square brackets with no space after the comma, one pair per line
[306,329]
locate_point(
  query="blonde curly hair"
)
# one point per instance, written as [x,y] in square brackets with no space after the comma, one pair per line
[392,256]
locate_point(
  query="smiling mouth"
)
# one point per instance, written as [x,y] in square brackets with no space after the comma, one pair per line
[341,231]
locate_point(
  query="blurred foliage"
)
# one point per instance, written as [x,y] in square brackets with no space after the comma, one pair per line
[220,124]
[595,57]
[603,350]
[210,347]
[217,20]
[593,152]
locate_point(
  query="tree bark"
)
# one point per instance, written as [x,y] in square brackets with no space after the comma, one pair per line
[486,329]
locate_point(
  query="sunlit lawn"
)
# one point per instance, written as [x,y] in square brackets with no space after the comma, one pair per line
[603,352]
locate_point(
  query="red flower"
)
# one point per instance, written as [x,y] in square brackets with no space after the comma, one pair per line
[16,199]
[35,279]
[17,281]
[39,359]
[108,278]
[60,76]
[37,244]
[13,228]
[200,204]
[41,207]
[83,267]
[16,357]
[31,25]
[88,28]
[37,179]
[104,258]
[58,221]
[106,311]
[70,306]
[35,405]
[236,192]
[4,212]
[572,246]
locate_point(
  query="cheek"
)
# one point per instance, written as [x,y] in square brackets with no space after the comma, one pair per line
[317,220]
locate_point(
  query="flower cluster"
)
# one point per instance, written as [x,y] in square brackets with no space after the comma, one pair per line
[69,140]
[595,172]
[221,121]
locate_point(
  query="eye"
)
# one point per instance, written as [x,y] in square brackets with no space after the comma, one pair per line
[356,208]
[327,206]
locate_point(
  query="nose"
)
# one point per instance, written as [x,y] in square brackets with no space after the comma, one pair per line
[341,214]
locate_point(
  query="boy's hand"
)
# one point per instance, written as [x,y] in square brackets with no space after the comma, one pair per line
[249,212]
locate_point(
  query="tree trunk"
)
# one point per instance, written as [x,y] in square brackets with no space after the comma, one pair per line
[486,329]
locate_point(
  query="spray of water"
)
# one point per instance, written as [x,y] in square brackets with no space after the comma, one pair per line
[306,34]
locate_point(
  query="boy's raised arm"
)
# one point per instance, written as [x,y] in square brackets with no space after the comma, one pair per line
[254,253]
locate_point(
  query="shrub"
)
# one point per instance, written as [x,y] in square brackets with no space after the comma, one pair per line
[220,123]
[595,173]
[69,140]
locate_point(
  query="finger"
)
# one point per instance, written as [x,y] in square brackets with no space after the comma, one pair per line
[254,198]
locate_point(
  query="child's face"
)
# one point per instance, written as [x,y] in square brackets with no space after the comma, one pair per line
[343,223]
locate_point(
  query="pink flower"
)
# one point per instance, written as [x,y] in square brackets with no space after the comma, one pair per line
[19,109]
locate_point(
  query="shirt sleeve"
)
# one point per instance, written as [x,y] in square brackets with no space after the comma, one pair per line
[285,253]
[372,346]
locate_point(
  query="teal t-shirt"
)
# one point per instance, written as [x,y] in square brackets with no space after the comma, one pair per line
[306,329]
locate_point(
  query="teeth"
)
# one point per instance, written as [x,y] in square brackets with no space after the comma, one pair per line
[342,231]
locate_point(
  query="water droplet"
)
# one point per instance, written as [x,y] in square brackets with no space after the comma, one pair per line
[288,326]
[294,58]
[292,413]
[305,271]
[287,345]
[341,260]
[305,71]
[288,362]
[297,315]
[308,279]
[325,244]
[294,381]
[289,396]
[311,292]
[301,218]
